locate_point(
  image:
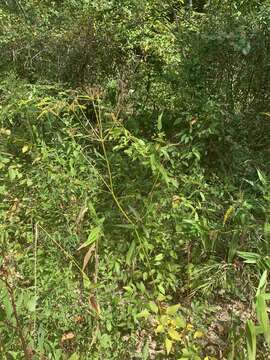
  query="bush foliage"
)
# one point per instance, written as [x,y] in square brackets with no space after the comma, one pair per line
[134,179]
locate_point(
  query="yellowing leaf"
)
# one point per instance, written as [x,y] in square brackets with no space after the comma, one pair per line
[174,334]
[168,345]
[25,148]
[189,327]
[5,131]
[164,319]
[176,201]
[227,214]
[198,334]
[171,310]
[159,329]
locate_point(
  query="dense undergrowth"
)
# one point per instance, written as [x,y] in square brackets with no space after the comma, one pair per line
[134,179]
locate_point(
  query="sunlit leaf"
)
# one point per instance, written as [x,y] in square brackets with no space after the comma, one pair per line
[251,340]
[172,310]
[175,335]
[153,307]
[159,122]
[25,148]
[227,214]
[198,334]
[180,322]
[74,356]
[168,345]
[160,329]
[93,236]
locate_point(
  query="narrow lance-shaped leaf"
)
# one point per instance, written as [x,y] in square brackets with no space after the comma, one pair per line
[93,236]
[261,310]
[251,340]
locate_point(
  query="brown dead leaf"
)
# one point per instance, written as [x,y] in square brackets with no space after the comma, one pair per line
[67,336]
[80,217]
[14,208]
[88,256]
[193,121]
[93,304]
[78,318]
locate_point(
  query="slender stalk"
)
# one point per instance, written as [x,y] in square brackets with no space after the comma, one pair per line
[101,136]
[35,278]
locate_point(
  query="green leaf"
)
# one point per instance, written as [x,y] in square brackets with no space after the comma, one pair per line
[74,356]
[161,297]
[141,287]
[263,318]
[172,310]
[262,283]
[249,257]
[93,236]
[159,257]
[262,177]
[128,289]
[143,314]
[159,122]
[180,322]
[130,253]
[251,340]
[161,289]
[159,329]
[267,230]
[153,307]
[12,173]
[145,351]
[86,282]
[31,304]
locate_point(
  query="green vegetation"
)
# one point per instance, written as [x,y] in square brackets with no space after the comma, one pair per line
[134,179]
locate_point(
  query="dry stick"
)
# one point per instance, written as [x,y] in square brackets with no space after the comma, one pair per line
[35,278]
[98,116]
[96,263]
[188,274]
